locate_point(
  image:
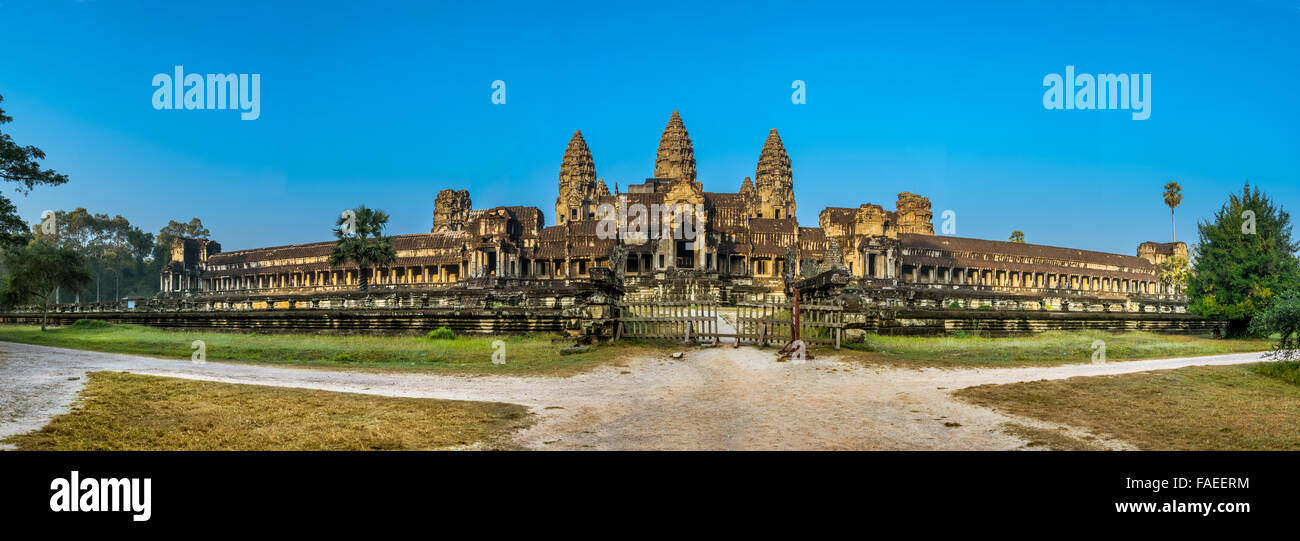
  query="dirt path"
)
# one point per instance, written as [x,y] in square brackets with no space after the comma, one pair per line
[715,398]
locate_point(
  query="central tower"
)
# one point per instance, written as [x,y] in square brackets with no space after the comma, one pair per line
[676,156]
[774,179]
[578,183]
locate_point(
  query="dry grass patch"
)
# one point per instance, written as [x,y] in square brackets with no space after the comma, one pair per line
[1194,408]
[122,411]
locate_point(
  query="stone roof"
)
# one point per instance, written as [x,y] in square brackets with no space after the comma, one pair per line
[954,252]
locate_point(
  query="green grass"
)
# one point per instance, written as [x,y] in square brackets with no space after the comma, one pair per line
[524,354]
[1288,371]
[121,411]
[1049,348]
[1194,408]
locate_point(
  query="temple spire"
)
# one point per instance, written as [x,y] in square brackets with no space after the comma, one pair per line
[578,184]
[676,156]
[773,165]
[578,168]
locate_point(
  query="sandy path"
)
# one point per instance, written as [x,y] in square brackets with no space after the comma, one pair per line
[713,398]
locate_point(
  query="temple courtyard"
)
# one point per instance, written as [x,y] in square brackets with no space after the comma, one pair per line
[737,398]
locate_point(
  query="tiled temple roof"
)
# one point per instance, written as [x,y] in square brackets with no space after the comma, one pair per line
[954,250]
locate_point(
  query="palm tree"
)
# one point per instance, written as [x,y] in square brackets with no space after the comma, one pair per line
[362,241]
[1017,236]
[1173,196]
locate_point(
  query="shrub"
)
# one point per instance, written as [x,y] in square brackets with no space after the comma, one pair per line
[441,333]
[1283,319]
[91,324]
[344,358]
[954,305]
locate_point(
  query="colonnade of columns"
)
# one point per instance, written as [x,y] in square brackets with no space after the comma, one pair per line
[926,274]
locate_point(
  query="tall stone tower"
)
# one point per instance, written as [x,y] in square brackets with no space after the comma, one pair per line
[774,179]
[577,199]
[676,156]
[914,216]
[451,210]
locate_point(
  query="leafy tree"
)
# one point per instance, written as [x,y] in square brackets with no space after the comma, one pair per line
[362,241]
[19,164]
[1283,319]
[114,248]
[13,230]
[1240,268]
[37,270]
[1174,272]
[1173,197]
[1017,236]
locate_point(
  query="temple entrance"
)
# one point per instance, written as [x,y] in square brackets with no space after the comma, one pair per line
[684,254]
[741,324]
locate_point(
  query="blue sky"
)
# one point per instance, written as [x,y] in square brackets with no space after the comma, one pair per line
[387,103]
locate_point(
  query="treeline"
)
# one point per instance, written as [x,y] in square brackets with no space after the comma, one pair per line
[121,259]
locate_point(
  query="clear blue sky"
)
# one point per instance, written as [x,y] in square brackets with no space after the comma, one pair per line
[386,104]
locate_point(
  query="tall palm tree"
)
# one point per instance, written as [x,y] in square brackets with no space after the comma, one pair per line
[1173,196]
[362,241]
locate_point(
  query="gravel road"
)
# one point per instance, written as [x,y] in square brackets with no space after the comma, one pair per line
[712,398]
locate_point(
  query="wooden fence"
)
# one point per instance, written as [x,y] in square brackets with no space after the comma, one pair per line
[772,323]
[757,324]
[668,320]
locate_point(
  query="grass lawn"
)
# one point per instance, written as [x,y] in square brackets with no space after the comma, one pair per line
[1049,348]
[525,355]
[121,411]
[1242,407]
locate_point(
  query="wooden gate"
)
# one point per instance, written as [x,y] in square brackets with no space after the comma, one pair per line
[771,323]
[679,320]
[756,324]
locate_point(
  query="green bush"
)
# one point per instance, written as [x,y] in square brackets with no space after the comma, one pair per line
[441,333]
[954,305]
[344,358]
[91,324]
[1282,319]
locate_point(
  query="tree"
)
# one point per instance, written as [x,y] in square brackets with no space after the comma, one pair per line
[362,241]
[1173,197]
[1174,272]
[1243,259]
[37,270]
[19,164]
[113,246]
[1283,319]
[1017,236]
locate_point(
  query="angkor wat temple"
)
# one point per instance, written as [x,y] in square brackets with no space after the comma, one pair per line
[668,236]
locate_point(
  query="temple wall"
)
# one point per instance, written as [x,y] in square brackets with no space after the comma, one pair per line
[584,311]
[911,321]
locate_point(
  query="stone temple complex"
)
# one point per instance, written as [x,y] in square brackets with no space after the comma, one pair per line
[667,236]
